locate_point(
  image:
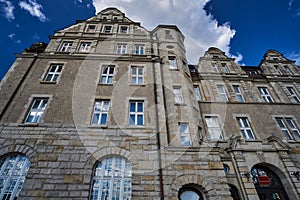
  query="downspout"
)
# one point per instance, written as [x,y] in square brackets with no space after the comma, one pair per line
[160,171]
[8,103]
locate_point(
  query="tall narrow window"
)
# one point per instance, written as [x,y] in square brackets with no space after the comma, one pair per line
[85,47]
[215,67]
[13,171]
[224,68]
[139,49]
[173,63]
[112,180]
[288,128]
[121,49]
[107,74]
[245,128]
[238,93]
[178,95]
[37,110]
[293,94]
[213,128]
[137,75]
[100,114]
[197,93]
[185,136]
[136,113]
[222,93]
[288,70]
[66,46]
[53,73]
[265,94]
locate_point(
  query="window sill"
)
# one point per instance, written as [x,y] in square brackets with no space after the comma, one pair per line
[180,104]
[173,69]
[98,126]
[106,84]
[136,126]
[135,85]
[29,124]
[48,82]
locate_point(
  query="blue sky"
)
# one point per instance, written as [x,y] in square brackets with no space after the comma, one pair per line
[244,29]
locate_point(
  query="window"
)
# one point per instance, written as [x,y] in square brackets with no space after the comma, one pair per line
[123,29]
[222,93]
[136,113]
[224,68]
[53,73]
[85,47]
[185,136]
[278,69]
[37,110]
[91,28]
[172,62]
[13,170]
[107,29]
[66,46]
[178,95]
[137,75]
[107,74]
[100,113]
[139,49]
[197,92]
[293,94]
[215,67]
[245,128]
[238,93]
[121,49]
[190,192]
[213,128]
[265,94]
[288,128]
[112,179]
[288,70]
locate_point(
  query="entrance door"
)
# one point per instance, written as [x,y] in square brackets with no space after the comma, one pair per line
[268,185]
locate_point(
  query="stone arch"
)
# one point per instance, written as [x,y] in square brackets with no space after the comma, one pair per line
[19,149]
[178,182]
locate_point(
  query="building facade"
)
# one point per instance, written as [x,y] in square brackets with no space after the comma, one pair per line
[110,110]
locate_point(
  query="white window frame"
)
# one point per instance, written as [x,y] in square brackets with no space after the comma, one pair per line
[139,49]
[214,128]
[293,94]
[135,113]
[107,29]
[288,128]
[121,49]
[112,179]
[185,136]
[245,128]
[37,110]
[224,68]
[265,94]
[53,73]
[215,67]
[172,62]
[13,171]
[178,95]
[66,46]
[123,31]
[238,93]
[137,75]
[222,93]
[107,74]
[198,93]
[100,112]
[89,29]
[85,47]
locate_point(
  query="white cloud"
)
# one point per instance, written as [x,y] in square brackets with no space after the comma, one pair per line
[12,37]
[290,4]
[201,30]
[294,56]
[34,9]
[8,10]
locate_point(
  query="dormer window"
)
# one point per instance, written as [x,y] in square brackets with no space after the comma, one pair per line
[107,29]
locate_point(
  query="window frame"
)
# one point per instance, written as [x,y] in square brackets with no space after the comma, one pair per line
[104,109]
[178,95]
[245,128]
[172,62]
[85,49]
[288,70]
[40,111]
[184,133]
[197,93]
[224,68]
[238,93]
[211,128]
[122,31]
[108,77]
[56,73]
[89,30]
[265,94]
[107,31]
[136,114]
[288,131]
[121,48]
[137,76]
[66,46]
[293,94]
[139,49]
[222,94]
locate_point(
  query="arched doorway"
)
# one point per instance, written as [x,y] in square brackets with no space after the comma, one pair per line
[267,184]
[234,192]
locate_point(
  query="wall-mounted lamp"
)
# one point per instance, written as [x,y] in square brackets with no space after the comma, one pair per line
[248,175]
[296,174]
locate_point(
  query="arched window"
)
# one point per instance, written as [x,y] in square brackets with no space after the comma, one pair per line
[13,170]
[112,180]
[190,192]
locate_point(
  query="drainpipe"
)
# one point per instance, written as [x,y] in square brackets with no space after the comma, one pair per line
[17,88]
[160,171]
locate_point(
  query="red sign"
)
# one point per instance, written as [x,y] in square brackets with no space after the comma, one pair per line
[264,180]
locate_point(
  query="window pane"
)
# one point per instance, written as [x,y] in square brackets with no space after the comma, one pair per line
[140,107]
[103,119]
[132,119]
[140,119]
[132,107]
